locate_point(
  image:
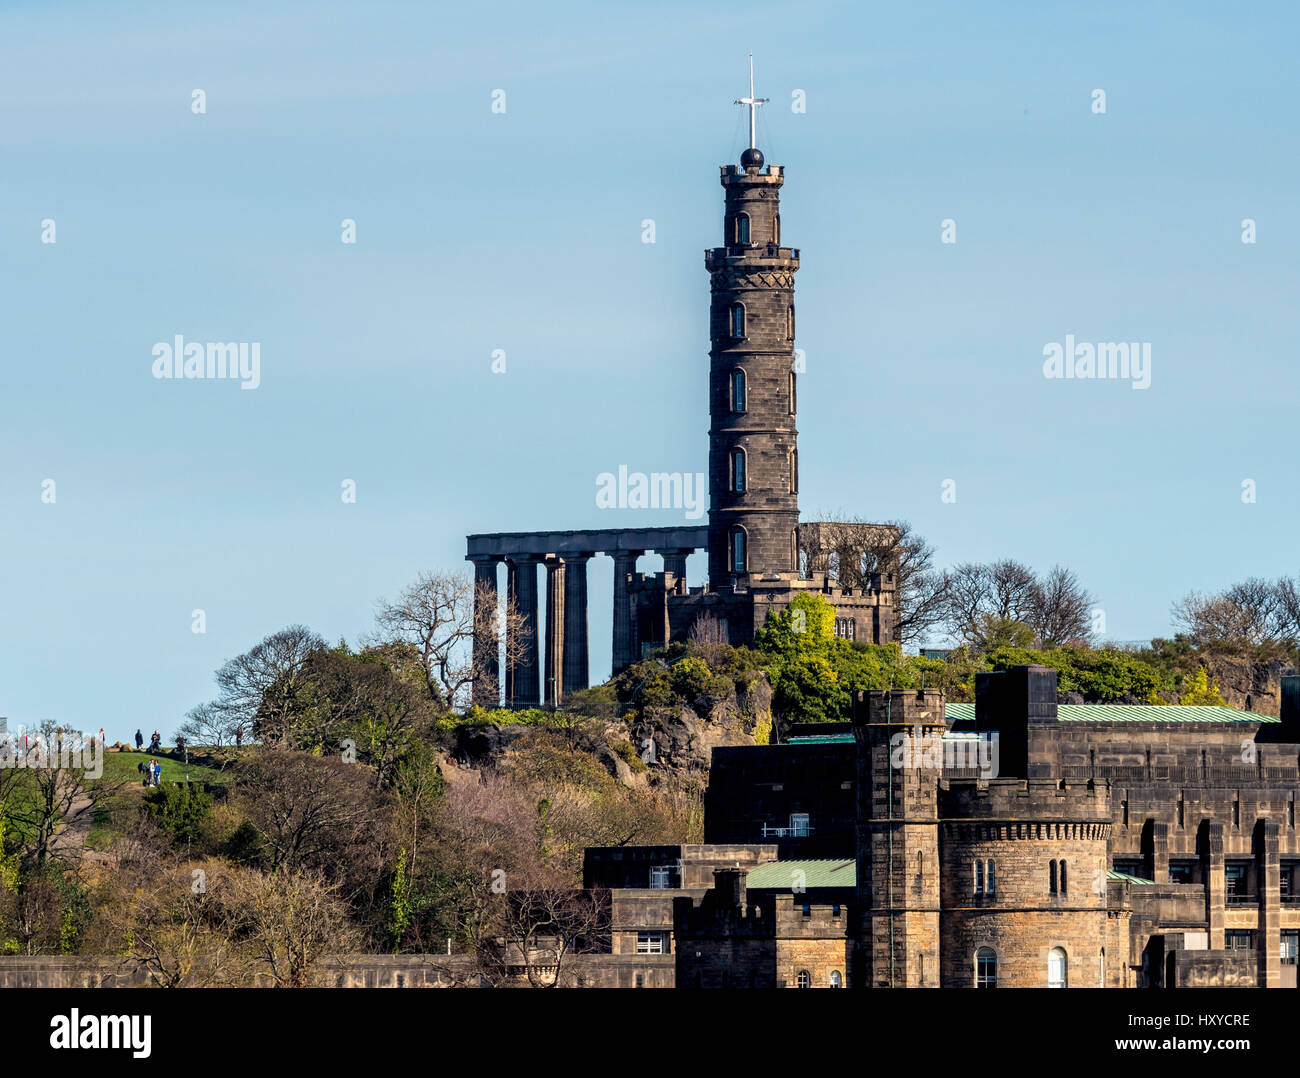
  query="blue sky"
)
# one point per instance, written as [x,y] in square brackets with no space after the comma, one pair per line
[522,231]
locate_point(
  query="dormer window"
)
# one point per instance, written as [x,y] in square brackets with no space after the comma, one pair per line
[738,391]
[742,228]
[737,320]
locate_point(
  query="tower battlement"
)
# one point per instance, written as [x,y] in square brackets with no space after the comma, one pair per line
[1014,799]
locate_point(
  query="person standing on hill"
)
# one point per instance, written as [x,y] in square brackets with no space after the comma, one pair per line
[139,741]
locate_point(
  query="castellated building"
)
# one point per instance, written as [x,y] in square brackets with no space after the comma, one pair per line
[760,556]
[1012,842]
[1009,843]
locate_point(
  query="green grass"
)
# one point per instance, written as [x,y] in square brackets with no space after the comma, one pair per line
[119,766]
[115,814]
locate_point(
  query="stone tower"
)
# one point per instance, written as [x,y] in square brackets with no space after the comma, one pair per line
[896,937]
[753,457]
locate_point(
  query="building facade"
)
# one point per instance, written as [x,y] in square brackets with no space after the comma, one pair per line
[1012,842]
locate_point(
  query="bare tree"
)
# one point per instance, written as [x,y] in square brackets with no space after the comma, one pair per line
[53,786]
[1254,613]
[442,615]
[210,726]
[853,552]
[259,689]
[289,920]
[173,920]
[1004,602]
[1062,612]
[313,812]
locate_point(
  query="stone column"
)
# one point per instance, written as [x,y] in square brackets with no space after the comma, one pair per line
[675,563]
[521,676]
[487,660]
[555,585]
[1210,847]
[624,630]
[1268,886]
[1155,850]
[576,671]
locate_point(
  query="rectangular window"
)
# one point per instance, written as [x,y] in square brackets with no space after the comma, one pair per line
[661,877]
[1239,939]
[1288,880]
[988,877]
[1182,871]
[799,825]
[1290,946]
[1235,878]
[979,877]
[651,943]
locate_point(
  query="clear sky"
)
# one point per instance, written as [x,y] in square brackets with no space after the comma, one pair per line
[522,231]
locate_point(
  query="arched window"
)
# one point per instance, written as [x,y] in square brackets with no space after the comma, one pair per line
[742,228]
[837,979]
[988,877]
[737,319]
[789,322]
[802,979]
[1063,887]
[986,968]
[738,391]
[737,550]
[1057,972]
[1101,980]
[794,550]
[793,402]
[1051,877]
[738,470]
[853,628]
[794,471]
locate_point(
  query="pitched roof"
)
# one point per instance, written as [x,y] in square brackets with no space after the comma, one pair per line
[826,872]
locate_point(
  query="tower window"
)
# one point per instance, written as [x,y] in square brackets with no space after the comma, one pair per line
[776,229]
[738,553]
[1051,877]
[742,228]
[737,319]
[789,322]
[1057,974]
[837,979]
[793,401]
[986,968]
[794,471]
[738,391]
[802,979]
[738,470]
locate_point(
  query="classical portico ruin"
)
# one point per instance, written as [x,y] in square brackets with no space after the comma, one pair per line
[565,556]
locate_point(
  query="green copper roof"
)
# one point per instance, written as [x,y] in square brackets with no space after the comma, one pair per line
[1135,713]
[780,875]
[820,739]
[1113,875]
